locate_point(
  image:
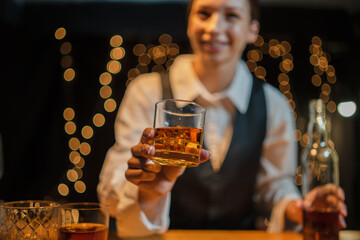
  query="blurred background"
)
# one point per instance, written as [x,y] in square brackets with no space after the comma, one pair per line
[66,64]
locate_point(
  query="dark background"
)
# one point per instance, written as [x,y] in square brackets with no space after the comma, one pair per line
[34,94]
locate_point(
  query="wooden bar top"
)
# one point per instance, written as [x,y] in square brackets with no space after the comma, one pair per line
[216,235]
[230,235]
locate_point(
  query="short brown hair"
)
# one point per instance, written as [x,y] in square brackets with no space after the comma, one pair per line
[254,8]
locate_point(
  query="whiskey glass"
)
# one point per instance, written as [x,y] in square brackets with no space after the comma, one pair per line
[29,220]
[84,220]
[179,131]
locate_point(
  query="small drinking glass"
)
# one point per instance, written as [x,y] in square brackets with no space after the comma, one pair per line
[29,220]
[83,220]
[179,129]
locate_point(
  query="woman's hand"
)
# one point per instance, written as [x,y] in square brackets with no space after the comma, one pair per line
[153,179]
[320,197]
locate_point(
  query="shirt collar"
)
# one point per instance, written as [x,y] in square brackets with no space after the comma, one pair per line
[182,74]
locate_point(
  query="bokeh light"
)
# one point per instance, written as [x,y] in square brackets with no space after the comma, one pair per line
[316,41]
[133,73]
[284,87]
[331,79]
[69,114]
[74,157]
[74,143]
[316,80]
[253,55]
[69,74]
[87,132]
[165,39]
[323,63]
[259,41]
[142,68]
[80,187]
[330,71]
[70,127]
[326,89]
[158,68]
[251,65]
[286,65]
[172,52]
[286,45]
[260,72]
[60,33]
[139,49]
[331,106]
[324,97]
[314,60]
[105,92]
[63,189]
[110,105]
[105,78]
[113,66]
[145,59]
[117,53]
[99,120]
[72,175]
[347,109]
[283,77]
[116,41]
[85,148]
[65,48]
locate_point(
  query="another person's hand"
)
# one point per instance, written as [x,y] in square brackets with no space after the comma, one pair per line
[320,197]
[153,179]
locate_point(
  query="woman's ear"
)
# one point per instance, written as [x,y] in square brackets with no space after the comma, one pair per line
[254,31]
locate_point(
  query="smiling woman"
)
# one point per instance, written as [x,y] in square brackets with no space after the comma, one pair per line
[249,131]
[219,32]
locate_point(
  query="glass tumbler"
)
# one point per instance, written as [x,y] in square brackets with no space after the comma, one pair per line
[84,221]
[29,220]
[179,129]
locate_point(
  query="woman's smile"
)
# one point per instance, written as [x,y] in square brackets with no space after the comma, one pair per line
[214,46]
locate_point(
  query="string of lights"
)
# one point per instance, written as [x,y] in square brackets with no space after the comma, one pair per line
[79,137]
[274,49]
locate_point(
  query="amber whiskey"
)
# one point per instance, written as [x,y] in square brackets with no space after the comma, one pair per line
[177,146]
[83,231]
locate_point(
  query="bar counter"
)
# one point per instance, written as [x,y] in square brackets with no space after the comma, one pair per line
[230,235]
[216,235]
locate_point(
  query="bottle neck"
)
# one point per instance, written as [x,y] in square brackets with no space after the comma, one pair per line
[318,128]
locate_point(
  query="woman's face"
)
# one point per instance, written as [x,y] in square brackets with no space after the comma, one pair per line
[219,30]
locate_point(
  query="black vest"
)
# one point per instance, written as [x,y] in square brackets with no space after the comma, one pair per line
[204,199]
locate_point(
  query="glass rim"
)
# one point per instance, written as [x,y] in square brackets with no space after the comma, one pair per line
[187,102]
[11,205]
[84,206]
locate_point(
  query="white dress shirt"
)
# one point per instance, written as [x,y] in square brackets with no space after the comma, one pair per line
[275,185]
